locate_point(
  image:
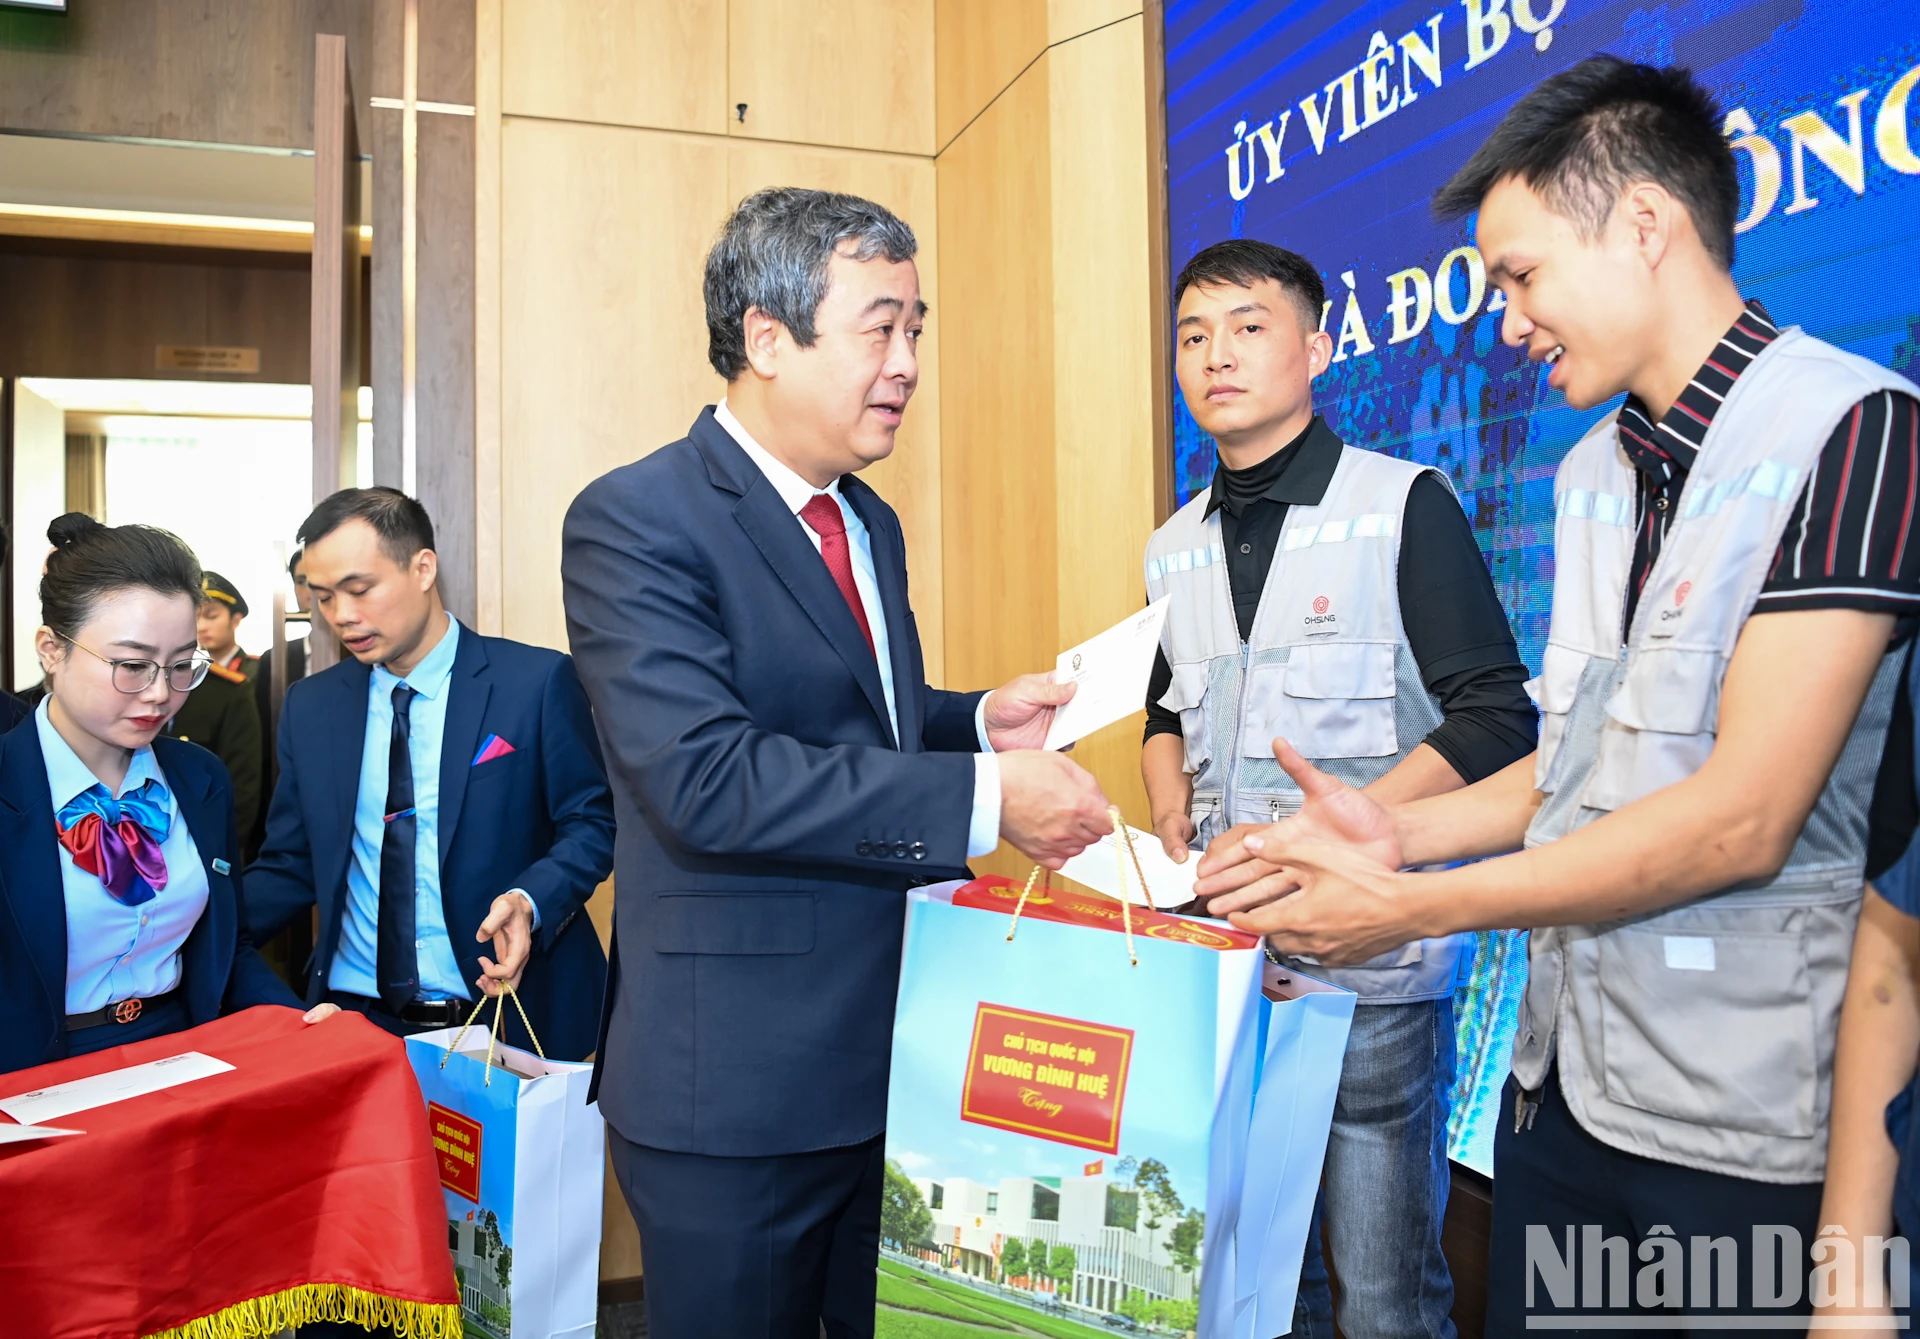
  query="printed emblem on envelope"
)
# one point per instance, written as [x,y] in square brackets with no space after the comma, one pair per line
[456,1144]
[1054,1078]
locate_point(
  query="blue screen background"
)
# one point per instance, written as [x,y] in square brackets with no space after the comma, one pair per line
[1840,261]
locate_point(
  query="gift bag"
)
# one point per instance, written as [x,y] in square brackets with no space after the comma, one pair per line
[522,1154]
[1096,1111]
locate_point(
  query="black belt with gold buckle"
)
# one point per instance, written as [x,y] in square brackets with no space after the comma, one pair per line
[120,1011]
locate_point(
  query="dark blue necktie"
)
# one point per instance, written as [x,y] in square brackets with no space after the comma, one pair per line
[398,964]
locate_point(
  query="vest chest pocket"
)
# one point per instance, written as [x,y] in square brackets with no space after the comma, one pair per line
[1669,706]
[1715,1029]
[1329,700]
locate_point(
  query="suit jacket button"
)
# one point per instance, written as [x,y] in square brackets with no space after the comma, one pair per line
[900,850]
[919,850]
[864,848]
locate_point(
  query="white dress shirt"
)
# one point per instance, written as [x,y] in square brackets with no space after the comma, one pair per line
[983,832]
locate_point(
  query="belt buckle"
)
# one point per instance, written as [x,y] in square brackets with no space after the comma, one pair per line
[128,1010]
[428,1013]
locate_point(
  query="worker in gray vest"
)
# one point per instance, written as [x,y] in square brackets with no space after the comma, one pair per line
[1336,597]
[1734,578]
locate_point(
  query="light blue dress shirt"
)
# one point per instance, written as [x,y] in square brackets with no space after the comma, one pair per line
[114,951]
[983,830]
[357,955]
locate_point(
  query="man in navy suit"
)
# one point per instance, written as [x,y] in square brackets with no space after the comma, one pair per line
[438,791]
[737,602]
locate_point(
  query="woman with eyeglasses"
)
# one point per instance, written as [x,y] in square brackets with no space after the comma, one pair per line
[120,904]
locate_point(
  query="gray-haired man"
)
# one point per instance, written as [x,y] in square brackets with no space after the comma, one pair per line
[737,603]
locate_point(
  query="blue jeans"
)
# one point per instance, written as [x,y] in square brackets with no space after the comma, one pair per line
[1384,1192]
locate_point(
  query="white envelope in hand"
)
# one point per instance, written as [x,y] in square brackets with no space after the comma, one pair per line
[1170,884]
[1111,671]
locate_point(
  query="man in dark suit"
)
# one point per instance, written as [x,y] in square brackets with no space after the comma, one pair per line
[438,791]
[737,602]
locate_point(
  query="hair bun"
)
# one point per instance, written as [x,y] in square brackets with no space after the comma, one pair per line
[66,529]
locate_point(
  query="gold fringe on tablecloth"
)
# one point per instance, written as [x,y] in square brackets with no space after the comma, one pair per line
[263,1317]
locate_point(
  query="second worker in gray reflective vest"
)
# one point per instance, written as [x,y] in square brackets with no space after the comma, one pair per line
[1333,597]
[1735,576]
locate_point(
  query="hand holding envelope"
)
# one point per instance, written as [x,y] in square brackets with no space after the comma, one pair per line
[1109,674]
[1051,808]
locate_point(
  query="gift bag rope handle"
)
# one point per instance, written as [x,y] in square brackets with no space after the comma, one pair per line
[493,1033]
[1120,861]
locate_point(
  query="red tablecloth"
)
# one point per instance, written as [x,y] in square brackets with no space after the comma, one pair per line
[300,1185]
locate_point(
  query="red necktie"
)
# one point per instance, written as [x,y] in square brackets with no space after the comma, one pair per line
[822,515]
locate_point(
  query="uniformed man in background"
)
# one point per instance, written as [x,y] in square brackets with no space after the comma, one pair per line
[222,607]
[220,715]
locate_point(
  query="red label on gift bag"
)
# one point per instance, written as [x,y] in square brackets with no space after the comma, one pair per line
[456,1143]
[1057,1078]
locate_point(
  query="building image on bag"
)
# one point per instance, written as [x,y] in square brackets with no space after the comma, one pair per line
[1100,1218]
[483,1264]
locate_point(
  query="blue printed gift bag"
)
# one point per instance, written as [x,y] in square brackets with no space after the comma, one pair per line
[1073,1136]
[522,1155]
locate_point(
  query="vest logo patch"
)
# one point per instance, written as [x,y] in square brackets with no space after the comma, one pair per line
[1320,603]
[1320,615]
[1680,593]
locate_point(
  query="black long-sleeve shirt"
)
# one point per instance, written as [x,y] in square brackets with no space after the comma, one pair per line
[1455,625]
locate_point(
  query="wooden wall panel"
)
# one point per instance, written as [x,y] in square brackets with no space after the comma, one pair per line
[100,311]
[1103,383]
[444,330]
[662,63]
[209,71]
[488,57]
[1068,19]
[603,330]
[857,74]
[997,412]
[980,47]
[909,479]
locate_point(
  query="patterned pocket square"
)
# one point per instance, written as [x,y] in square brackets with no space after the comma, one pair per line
[490,748]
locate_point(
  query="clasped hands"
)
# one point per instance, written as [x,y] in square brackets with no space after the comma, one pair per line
[1325,882]
[509,924]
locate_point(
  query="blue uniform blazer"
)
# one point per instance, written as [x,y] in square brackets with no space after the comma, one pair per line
[770,823]
[220,971]
[539,818]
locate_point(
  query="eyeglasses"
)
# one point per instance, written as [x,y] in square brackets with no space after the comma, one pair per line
[136,676]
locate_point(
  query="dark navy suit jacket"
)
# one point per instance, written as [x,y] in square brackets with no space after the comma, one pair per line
[538,818]
[770,824]
[220,972]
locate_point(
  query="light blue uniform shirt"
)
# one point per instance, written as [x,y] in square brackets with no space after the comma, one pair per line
[114,951]
[983,828]
[357,954]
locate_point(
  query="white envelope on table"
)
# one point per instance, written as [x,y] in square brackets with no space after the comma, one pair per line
[1111,671]
[116,1085]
